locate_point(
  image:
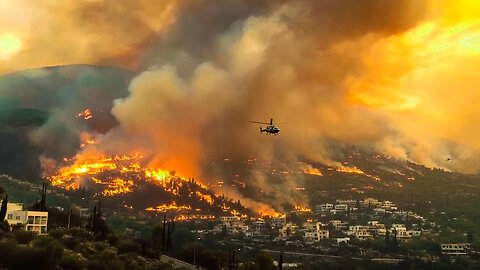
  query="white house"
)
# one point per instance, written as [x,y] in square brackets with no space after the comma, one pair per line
[454,249]
[34,221]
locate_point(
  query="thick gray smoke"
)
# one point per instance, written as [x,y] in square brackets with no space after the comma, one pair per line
[221,65]
[371,73]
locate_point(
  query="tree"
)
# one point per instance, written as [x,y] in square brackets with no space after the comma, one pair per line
[394,245]
[470,237]
[387,238]
[3,209]
[264,261]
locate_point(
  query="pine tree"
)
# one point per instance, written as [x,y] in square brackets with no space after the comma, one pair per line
[280,261]
[395,245]
[3,209]
[470,237]
[387,238]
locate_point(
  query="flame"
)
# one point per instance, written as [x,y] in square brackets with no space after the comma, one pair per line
[184,218]
[87,114]
[312,171]
[119,186]
[204,197]
[356,170]
[300,208]
[271,214]
[95,165]
[169,207]
[118,175]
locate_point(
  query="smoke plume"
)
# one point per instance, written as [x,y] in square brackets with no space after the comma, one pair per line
[394,77]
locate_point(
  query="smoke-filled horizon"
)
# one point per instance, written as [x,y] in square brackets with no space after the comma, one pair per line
[394,77]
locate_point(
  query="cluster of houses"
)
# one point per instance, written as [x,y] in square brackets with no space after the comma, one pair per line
[379,208]
[279,229]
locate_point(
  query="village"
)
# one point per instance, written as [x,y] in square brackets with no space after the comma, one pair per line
[339,223]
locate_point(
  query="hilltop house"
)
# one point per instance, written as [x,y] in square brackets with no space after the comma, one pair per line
[34,221]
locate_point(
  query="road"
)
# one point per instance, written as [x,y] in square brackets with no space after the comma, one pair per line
[384,260]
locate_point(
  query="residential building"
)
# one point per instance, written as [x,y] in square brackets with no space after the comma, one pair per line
[315,236]
[341,208]
[455,249]
[344,240]
[34,221]
[280,221]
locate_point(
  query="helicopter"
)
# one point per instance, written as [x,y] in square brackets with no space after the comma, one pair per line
[270,129]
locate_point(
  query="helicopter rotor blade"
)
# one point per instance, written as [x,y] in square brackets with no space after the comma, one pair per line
[258,122]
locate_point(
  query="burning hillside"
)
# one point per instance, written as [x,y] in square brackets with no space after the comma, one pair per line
[126,179]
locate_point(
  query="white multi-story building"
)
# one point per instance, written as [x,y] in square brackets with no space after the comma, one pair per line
[322,208]
[341,208]
[33,221]
[232,224]
[350,203]
[455,249]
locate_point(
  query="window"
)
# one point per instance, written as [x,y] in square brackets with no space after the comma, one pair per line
[10,216]
[30,220]
[17,217]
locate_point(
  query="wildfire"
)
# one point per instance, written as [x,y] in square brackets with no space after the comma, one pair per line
[313,171]
[169,207]
[300,208]
[207,198]
[271,214]
[202,217]
[95,165]
[118,186]
[123,174]
[85,114]
[357,171]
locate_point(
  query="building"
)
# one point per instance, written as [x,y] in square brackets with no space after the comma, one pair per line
[349,203]
[369,202]
[360,231]
[288,229]
[455,249]
[339,225]
[339,208]
[315,236]
[280,221]
[388,205]
[33,221]
[323,208]
[232,225]
[344,240]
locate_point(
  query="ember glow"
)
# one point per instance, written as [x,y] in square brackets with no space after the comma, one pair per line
[85,114]
[300,208]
